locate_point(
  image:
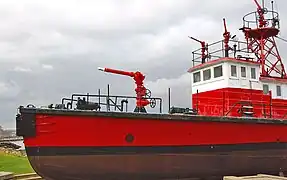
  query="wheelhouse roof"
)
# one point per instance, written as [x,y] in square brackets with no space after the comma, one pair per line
[220,60]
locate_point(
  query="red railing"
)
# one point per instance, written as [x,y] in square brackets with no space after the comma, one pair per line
[237,49]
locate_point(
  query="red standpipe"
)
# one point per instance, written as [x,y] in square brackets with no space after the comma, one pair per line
[140,89]
[203,48]
[226,36]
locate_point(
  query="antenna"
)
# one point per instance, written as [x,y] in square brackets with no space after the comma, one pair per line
[272,9]
[259,35]
[281,38]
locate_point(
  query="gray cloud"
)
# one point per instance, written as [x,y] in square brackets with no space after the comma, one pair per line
[50,49]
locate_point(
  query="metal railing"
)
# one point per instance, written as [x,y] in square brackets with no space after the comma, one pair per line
[271,17]
[98,101]
[216,50]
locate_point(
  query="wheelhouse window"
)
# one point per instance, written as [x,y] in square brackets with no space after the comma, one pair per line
[206,74]
[253,73]
[278,90]
[265,88]
[196,77]
[217,71]
[233,71]
[243,72]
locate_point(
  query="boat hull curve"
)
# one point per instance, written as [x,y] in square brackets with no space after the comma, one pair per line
[70,145]
[158,165]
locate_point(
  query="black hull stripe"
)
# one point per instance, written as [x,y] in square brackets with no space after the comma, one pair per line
[83,150]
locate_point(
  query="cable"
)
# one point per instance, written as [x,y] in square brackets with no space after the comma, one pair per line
[281,39]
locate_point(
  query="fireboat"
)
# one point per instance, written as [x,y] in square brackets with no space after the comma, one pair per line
[236,126]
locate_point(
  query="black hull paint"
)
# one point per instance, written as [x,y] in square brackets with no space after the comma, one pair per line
[157,163]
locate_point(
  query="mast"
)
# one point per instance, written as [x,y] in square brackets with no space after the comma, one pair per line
[259,35]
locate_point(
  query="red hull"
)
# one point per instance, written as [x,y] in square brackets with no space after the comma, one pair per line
[149,130]
[132,145]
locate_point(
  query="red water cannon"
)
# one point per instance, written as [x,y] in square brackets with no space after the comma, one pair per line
[203,48]
[141,92]
[226,36]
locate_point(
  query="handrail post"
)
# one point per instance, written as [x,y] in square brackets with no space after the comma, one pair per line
[108,99]
[160,108]
[99,91]
[223,103]
[197,100]
[168,100]
[72,100]
[264,111]
[192,58]
[270,103]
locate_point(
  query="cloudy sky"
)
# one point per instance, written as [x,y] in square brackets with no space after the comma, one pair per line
[51,48]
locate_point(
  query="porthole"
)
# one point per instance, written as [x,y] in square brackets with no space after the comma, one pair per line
[129,138]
